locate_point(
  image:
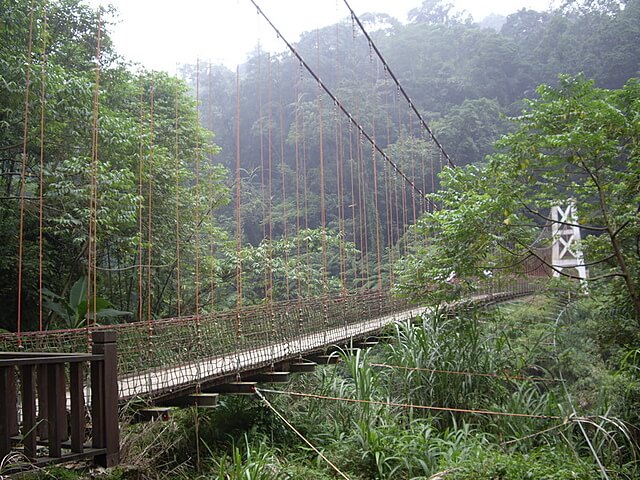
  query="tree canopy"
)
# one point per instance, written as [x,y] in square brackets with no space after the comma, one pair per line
[70,130]
[575,143]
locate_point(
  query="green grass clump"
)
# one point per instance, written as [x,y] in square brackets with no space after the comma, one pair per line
[589,429]
[542,463]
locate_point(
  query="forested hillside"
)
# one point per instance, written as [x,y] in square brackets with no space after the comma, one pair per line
[129,195]
[142,163]
[464,78]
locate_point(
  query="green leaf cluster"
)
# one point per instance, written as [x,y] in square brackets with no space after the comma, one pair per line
[575,143]
[128,138]
[78,309]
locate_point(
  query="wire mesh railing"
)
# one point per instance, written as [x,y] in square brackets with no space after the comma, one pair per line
[173,354]
[167,354]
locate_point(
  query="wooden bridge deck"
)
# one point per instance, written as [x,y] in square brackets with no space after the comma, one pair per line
[190,376]
[174,357]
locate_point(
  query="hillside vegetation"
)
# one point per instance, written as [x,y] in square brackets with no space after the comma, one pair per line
[117,179]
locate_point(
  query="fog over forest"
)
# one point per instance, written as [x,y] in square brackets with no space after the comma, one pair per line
[210,210]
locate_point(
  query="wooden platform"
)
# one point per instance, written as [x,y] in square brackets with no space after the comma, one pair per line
[166,381]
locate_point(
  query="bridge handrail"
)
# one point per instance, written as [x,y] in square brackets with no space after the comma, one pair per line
[249,309]
[164,356]
[36,395]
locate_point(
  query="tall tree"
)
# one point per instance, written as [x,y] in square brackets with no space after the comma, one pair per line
[574,143]
[437,12]
[133,139]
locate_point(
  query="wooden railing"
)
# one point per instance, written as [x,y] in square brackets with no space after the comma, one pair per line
[43,399]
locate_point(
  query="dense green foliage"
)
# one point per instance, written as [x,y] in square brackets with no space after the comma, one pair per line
[148,140]
[465,78]
[546,338]
[134,151]
[576,143]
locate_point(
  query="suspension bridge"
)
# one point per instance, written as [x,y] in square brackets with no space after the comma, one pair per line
[296,296]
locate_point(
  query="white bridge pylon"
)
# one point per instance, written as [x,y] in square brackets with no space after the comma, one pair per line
[565,251]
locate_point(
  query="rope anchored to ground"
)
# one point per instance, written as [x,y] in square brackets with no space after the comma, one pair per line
[503,376]
[268,404]
[409,405]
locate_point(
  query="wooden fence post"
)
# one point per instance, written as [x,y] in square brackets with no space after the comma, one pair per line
[29,410]
[104,398]
[7,409]
[56,411]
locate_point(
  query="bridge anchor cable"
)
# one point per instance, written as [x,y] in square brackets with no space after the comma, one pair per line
[272,408]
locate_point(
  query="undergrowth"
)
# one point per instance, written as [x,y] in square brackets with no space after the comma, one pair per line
[579,407]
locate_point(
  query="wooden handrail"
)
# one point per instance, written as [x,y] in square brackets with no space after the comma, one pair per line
[44,358]
[38,387]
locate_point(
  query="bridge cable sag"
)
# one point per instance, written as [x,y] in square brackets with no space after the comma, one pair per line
[397,82]
[339,104]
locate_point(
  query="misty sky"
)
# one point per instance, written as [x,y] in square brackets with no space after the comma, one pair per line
[161,33]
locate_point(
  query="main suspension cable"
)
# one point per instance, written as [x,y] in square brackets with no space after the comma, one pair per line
[400,88]
[338,103]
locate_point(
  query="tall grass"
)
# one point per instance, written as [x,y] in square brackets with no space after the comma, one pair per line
[448,343]
[244,440]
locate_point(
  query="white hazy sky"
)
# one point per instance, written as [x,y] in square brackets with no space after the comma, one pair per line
[162,33]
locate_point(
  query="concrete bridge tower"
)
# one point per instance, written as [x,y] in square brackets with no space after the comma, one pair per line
[565,251]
